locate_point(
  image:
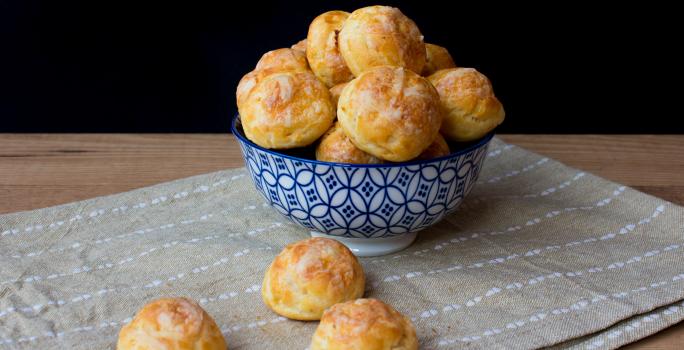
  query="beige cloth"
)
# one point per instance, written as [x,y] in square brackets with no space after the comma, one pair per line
[539,254]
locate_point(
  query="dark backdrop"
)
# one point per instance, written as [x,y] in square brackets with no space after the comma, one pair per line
[102,66]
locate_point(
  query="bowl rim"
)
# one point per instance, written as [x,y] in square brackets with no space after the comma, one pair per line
[482,142]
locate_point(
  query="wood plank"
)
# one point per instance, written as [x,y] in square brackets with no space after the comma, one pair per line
[44,170]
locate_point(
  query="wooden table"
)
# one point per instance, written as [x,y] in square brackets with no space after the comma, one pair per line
[39,170]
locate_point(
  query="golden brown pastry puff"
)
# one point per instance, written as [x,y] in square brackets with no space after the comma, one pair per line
[171,324]
[364,324]
[335,93]
[336,147]
[283,60]
[322,51]
[390,112]
[249,82]
[381,35]
[299,46]
[437,58]
[287,110]
[439,148]
[472,110]
[309,276]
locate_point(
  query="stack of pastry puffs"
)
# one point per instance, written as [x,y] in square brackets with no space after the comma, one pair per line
[316,279]
[363,87]
[321,279]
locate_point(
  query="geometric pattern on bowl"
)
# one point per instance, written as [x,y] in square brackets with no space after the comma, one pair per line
[363,200]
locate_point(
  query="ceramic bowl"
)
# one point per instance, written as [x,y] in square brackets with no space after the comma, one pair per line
[374,209]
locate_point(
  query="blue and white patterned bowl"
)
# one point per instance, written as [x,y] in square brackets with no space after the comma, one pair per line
[374,209]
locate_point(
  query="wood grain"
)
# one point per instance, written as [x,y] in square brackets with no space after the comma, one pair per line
[40,170]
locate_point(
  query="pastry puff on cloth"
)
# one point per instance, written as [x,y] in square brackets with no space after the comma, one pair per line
[310,276]
[171,324]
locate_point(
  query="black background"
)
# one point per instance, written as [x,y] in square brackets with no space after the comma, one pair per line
[102,66]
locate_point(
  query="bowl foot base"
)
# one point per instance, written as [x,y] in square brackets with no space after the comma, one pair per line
[373,246]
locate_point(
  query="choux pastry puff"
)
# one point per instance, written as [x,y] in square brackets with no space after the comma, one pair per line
[171,324]
[322,51]
[364,324]
[335,93]
[438,148]
[471,109]
[248,82]
[300,46]
[381,35]
[287,110]
[284,60]
[309,276]
[391,113]
[336,147]
[437,58]
[280,60]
